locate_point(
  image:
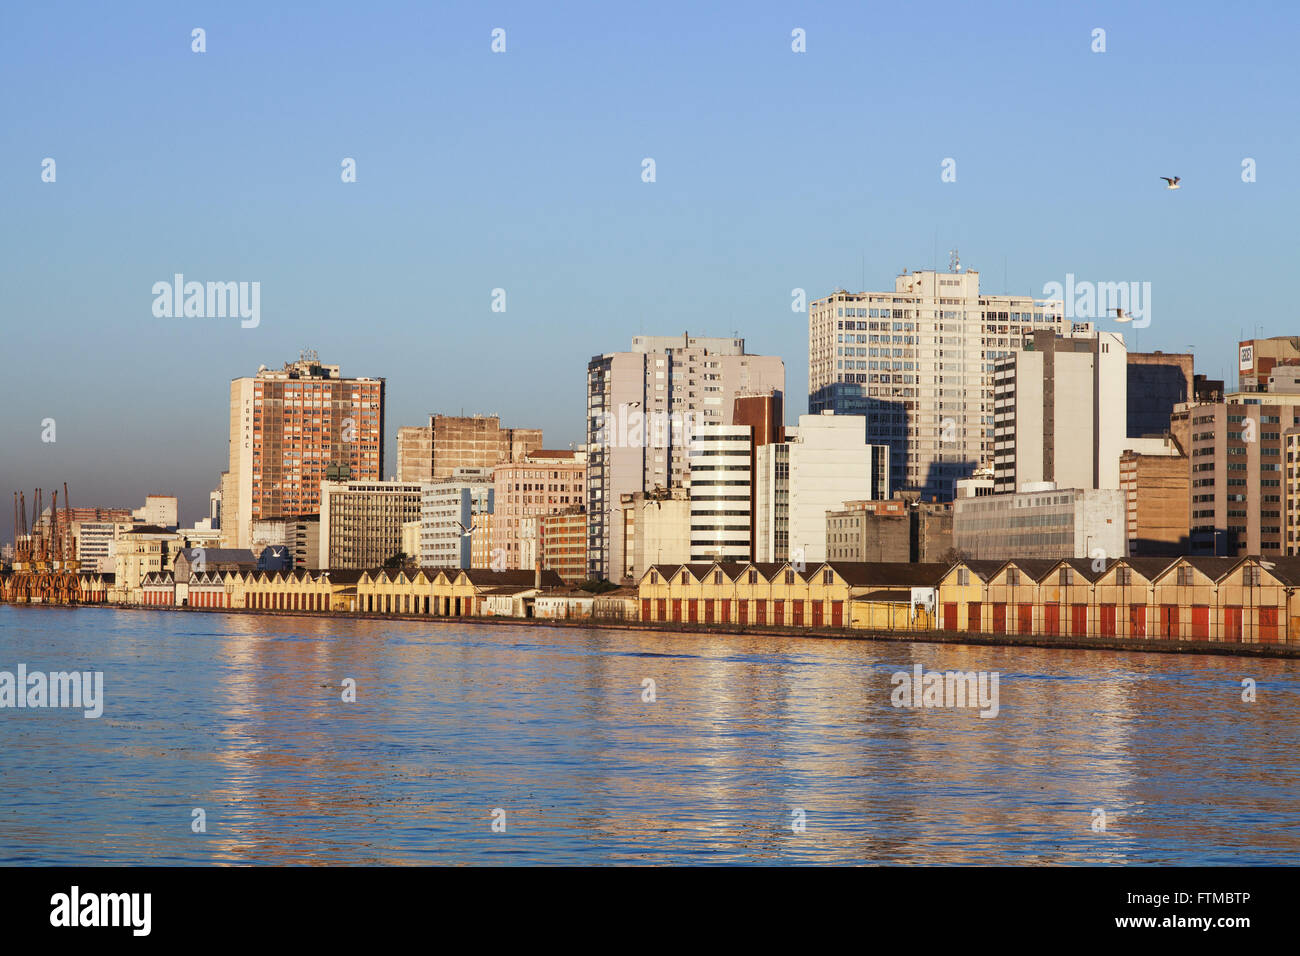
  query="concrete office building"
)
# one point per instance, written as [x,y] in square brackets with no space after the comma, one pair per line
[1237,455]
[542,482]
[451,442]
[1158,382]
[897,530]
[1060,412]
[158,510]
[291,429]
[1157,493]
[656,529]
[721,493]
[361,521]
[563,540]
[917,362]
[1257,358]
[641,408]
[830,464]
[772,500]
[1041,521]
[450,511]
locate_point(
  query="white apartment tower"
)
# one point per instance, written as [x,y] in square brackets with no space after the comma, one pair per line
[642,407]
[917,362]
[721,482]
[1061,412]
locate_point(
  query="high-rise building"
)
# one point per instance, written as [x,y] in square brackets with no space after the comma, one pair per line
[1060,411]
[642,407]
[542,482]
[290,430]
[452,442]
[1237,453]
[830,464]
[361,521]
[721,492]
[917,362]
[452,531]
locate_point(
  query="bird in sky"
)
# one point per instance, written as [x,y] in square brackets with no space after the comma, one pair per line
[1122,316]
[464,531]
[1173,183]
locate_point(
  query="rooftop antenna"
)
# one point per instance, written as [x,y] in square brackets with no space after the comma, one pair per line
[954,261]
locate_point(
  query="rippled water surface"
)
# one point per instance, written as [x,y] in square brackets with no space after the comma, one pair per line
[242,716]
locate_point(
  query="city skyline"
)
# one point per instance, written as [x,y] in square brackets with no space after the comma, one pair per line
[393,275]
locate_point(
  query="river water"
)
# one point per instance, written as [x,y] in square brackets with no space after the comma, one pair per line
[526,744]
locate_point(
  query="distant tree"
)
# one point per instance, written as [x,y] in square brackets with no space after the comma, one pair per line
[396,561]
[597,586]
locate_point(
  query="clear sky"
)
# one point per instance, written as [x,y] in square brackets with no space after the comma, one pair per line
[522,170]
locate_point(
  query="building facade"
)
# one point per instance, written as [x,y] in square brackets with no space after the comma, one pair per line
[917,362]
[1042,522]
[291,429]
[721,492]
[1157,494]
[1060,411]
[451,442]
[542,482]
[642,406]
[452,529]
[830,464]
[656,529]
[1237,455]
[361,521]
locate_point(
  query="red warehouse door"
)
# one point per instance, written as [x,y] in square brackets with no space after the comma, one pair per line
[1201,622]
[1137,620]
[999,619]
[778,613]
[1268,625]
[726,610]
[760,612]
[817,613]
[708,610]
[1108,620]
[1169,621]
[1078,620]
[1232,624]
[661,609]
[742,612]
[950,616]
[837,614]
[693,609]
[974,616]
[645,609]
[677,609]
[798,613]
[1025,619]
[1052,619]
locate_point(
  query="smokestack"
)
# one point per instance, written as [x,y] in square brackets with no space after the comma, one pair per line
[537,573]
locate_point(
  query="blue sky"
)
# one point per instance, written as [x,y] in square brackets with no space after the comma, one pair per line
[522,171]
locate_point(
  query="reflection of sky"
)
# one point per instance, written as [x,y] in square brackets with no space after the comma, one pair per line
[242,716]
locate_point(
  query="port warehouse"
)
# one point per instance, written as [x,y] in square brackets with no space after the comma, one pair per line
[1245,600]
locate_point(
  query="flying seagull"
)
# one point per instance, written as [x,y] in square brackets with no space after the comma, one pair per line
[464,531]
[1122,316]
[1173,183]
